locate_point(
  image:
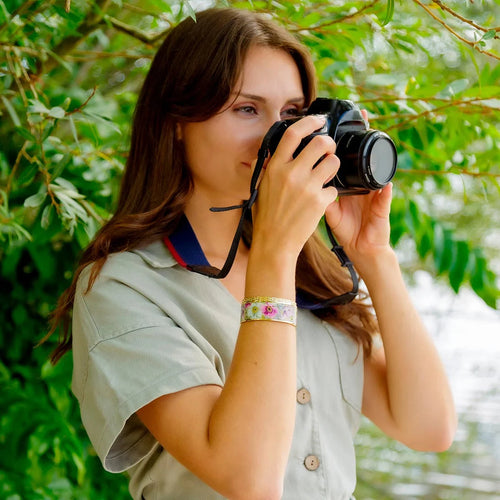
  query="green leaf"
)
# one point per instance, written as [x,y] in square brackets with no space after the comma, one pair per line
[37,107]
[35,200]
[100,119]
[389,13]
[454,88]
[27,174]
[489,35]
[60,60]
[424,245]
[73,129]
[46,216]
[26,134]
[443,249]
[190,10]
[460,262]
[12,111]
[57,112]
[5,12]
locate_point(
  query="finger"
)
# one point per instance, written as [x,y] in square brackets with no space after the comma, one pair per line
[382,202]
[333,214]
[315,150]
[331,194]
[326,169]
[294,135]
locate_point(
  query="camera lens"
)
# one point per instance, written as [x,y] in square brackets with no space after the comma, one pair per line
[380,159]
[367,159]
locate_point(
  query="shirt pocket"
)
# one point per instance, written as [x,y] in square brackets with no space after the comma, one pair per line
[350,362]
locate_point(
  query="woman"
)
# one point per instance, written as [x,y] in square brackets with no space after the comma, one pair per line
[172,387]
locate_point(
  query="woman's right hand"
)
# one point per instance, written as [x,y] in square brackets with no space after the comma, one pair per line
[292,198]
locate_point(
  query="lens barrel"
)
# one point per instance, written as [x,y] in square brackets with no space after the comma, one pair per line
[368,160]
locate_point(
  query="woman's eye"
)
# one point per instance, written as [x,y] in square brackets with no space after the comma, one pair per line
[247,109]
[291,112]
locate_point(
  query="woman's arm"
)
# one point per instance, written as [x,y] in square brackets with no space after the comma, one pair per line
[406,391]
[237,438]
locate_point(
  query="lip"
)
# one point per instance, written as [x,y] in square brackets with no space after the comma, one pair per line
[248,165]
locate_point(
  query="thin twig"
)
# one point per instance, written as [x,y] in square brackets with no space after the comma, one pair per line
[343,19]
[86,55]
[148,38]
[25,73]
[10,179]
[10,62]
[157,15]
[427,112]
[27,50]
[444,7]
[79,108]
[447,172]
[90,24]
[474,45]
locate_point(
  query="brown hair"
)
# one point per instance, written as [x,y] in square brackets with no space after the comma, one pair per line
[190,79]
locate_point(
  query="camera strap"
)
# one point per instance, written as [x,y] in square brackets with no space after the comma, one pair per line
[186,250]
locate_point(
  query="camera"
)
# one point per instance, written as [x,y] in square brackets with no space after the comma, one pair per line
[368,157]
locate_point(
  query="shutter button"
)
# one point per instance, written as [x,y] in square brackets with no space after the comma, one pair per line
[311,462]
[303,396]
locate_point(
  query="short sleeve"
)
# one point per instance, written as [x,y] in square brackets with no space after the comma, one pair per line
[127,352]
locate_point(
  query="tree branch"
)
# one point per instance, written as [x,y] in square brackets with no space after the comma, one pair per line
[87,55]
[437,109]
[474,45]
[149,38]
[470,173]
[444,7]
[347,17]
[91,23]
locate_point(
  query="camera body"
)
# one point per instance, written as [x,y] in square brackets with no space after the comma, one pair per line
[368,157]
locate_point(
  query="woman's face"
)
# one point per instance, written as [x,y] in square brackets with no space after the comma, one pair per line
[221,150]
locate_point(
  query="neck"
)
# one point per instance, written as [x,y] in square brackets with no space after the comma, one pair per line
[214,230]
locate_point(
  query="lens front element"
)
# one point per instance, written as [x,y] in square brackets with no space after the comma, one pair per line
[367,160]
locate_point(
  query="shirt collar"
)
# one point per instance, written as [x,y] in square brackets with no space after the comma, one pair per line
[156,255]
[186,251]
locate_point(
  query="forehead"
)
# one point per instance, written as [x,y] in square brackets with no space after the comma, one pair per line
[268,70]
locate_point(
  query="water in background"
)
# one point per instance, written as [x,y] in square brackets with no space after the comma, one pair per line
[467,335]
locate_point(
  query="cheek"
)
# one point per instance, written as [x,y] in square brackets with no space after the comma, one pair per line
[201,143]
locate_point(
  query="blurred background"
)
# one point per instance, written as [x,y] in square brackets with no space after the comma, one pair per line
[427,72]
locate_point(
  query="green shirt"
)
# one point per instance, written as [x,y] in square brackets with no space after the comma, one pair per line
[149,327]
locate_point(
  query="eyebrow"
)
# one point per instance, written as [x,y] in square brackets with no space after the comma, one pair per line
[254,97]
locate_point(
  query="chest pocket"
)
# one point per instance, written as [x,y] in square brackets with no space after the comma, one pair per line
[350,363]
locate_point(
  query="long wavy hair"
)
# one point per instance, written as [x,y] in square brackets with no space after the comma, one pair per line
[190,79]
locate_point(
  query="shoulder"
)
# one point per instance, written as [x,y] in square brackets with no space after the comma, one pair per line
[123,295]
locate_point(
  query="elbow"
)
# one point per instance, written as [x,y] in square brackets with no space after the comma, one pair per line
[252,488]
[437,438]
[256,494]
[444,440]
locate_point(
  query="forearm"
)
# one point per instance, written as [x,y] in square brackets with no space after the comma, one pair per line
[252,421]
[419,397]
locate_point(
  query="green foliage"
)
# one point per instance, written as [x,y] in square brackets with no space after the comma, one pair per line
[426,72]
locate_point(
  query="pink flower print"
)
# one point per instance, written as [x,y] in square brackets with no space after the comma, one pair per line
[269,311]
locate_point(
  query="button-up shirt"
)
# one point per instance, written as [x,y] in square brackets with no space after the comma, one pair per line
[149,327]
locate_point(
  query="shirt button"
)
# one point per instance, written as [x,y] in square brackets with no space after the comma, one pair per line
[303,396]
[311,462]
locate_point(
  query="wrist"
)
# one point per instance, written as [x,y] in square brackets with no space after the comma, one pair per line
[376,266]
[270,272]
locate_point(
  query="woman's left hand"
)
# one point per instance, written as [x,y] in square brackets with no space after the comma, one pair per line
[361,223]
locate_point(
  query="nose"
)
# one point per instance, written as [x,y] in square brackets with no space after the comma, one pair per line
[270,119]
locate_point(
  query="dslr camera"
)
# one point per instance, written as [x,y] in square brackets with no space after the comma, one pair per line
[368,157]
